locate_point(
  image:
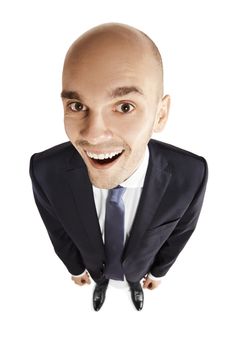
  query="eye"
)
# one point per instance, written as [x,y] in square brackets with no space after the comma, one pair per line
[77,107]
[125,107]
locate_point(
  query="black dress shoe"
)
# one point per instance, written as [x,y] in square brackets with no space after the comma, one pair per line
[137,294]
[99,294]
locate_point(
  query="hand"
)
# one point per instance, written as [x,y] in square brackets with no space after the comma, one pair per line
[83,279]
[150,284]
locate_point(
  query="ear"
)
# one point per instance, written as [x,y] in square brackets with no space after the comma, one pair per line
[162,114]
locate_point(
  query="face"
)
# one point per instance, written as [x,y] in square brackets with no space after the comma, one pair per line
[111,109]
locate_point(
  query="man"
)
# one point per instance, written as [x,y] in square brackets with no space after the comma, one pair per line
[118,205]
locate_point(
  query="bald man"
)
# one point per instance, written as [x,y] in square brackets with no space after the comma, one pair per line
[112,93]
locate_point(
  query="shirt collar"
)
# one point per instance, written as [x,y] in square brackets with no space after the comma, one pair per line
[138,176]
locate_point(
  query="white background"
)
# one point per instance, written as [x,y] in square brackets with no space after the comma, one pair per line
[41,307]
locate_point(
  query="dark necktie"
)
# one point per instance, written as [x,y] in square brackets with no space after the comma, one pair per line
[114,233]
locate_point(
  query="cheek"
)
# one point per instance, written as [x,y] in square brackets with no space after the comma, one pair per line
[137,131]
[71,126]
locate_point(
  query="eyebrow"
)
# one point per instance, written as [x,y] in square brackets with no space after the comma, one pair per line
[72,95]
[117,92]
[124,90]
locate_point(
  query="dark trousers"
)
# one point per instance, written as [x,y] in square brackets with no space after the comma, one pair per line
[104,280]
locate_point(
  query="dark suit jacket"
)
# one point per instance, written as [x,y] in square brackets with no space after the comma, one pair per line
[167,213]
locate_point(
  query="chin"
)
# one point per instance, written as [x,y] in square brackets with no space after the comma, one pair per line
[103,185]
[105,182]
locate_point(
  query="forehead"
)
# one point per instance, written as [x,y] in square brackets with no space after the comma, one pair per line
[99,76]
[103,76]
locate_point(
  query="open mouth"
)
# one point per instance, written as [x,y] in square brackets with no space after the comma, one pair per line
[103,160]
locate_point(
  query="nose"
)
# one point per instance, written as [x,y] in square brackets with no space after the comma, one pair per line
[95,129]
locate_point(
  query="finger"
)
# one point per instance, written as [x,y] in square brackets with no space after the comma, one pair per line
[75,279]
[77,282]
[150,285]
[87,280]
[145,285]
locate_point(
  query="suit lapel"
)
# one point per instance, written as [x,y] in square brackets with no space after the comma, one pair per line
[156,181]
[78,179]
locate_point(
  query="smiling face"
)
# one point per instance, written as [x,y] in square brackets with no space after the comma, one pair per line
[112,98]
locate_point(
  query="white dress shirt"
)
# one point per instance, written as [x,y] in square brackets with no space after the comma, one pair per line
[131,198]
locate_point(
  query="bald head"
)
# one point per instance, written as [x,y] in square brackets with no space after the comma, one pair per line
[115,41]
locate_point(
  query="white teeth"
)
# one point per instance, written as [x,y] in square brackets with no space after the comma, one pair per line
[102,155]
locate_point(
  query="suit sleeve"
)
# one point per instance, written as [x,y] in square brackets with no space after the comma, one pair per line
[170,250]
[63,246]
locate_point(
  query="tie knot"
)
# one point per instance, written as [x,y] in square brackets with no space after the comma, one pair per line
[116,193]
